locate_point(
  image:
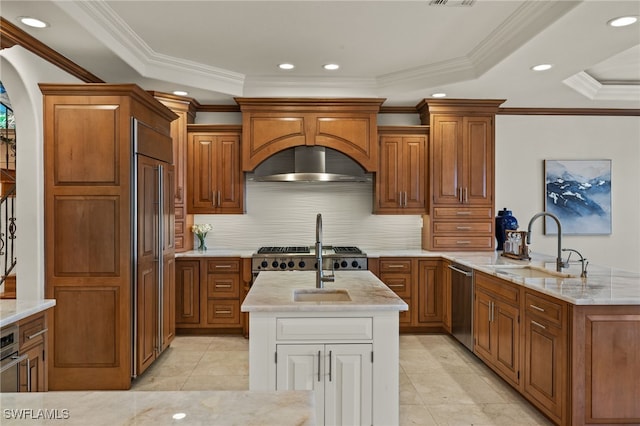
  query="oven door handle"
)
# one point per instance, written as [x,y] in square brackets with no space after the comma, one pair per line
[15,359]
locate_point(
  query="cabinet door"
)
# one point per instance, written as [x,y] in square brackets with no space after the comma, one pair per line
[201,174]
[545,370]
[32,371]
[300,367]
[446,159]
[348,384]
[476,173]
[390,175]
[482,330]
[229,178]
[506,324]
[413,168]
[187,292]
[429,292]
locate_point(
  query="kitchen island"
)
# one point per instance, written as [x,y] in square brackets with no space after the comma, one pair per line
[338,348]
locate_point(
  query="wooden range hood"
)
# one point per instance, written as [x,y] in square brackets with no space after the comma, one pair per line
[348,125]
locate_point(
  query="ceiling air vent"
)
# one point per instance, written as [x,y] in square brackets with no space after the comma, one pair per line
[451,2]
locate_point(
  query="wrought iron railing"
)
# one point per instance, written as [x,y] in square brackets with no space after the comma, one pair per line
[8,191]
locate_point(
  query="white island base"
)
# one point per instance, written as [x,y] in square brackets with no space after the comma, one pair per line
[346,352]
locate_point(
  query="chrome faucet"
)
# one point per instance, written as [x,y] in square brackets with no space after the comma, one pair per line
[583,261]
[559,263]
[320,277]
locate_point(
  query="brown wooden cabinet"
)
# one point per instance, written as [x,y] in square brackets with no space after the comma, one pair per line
[401,180]
[545,354]
[496,325]
[215,182]
[446,296]
[398,275]
[185,110]
[33,343]
[461,170]
[208,294]
[273,124]
[429,294]
[94,135]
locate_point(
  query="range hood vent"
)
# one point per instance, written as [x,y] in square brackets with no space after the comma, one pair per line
[310,164]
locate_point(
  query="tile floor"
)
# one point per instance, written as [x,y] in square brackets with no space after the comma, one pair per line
[441,383]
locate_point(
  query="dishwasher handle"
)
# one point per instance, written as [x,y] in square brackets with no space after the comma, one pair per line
[462,271]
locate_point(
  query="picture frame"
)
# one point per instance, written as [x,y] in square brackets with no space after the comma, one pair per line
[578,192]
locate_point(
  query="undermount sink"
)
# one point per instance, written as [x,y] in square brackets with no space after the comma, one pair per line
[321,295]
[528,271]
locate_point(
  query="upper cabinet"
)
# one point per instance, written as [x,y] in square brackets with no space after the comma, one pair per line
[461,173]
[273,124]
[215,182]
[401,182]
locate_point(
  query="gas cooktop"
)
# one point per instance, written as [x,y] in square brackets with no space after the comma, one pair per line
[302,258]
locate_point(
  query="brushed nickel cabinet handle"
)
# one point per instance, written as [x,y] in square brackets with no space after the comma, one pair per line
[464,213]
[466,195]
[34,335]
[330,364]
[463,228]
[319,359]
[537,308]
[219,198]
[395,285]
[223,266]
[213,198]
[463,242]
[223,312]
[538,324]
[223,285]
[395,266]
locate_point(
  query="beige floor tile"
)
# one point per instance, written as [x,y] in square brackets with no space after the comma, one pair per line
[457,414]
[440,388]
[415,415]
[199,382]
[514,414]
[157,383]
[228,343]
[408,393]
[223,363]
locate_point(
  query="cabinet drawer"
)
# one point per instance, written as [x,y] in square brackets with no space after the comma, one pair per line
[399,283]
[462,227]
[223,286]
[499,288]
[223,312]
[395,265]
[463,242]
[462,213]
[334,329]
[223,265]
[544,308]
[32,331]
[179,211]
[179,226]
[179,242]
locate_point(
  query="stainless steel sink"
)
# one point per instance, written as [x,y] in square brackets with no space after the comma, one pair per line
[321,295]
[528,271]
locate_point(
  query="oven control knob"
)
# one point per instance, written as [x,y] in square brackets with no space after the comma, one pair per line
[291,264]
[274,263]
[315,265]
[264,264]
[343,264]
[301,264]
[354,264]
[283,265]
[336,265]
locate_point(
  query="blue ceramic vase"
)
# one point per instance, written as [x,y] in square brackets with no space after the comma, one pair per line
[504,221]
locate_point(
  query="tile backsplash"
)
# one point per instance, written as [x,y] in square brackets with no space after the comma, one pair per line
[284,213]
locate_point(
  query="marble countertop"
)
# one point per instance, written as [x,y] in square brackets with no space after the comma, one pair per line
[110,408]
[13,310]
[272,291]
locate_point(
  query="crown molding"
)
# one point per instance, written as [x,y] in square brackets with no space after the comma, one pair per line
[592,89]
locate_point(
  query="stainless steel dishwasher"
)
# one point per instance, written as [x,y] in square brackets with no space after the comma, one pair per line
[462,304]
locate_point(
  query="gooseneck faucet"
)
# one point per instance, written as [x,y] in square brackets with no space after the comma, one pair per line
[559,263]
[320,277]
[583,261]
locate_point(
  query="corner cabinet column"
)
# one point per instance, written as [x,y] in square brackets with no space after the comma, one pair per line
[461,170]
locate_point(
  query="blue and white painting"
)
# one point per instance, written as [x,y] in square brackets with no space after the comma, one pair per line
[579,193]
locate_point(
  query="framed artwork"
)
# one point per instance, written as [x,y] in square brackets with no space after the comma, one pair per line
[579,193]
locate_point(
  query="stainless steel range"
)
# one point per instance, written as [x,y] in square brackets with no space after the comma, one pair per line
[303,258]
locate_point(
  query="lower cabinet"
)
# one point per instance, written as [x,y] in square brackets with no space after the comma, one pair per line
[340,374]
[33,339]
[545,349]
[208,294]
[496,325]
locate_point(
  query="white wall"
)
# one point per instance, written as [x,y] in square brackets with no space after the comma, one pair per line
[20,72]
[522,145]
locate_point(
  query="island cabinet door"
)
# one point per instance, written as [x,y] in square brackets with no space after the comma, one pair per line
[300,367]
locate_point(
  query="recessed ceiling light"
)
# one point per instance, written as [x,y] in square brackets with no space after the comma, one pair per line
[623,21]
[331,67]
[286,66]
[439,95]
[542,67]
[180,93]
[33,22]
